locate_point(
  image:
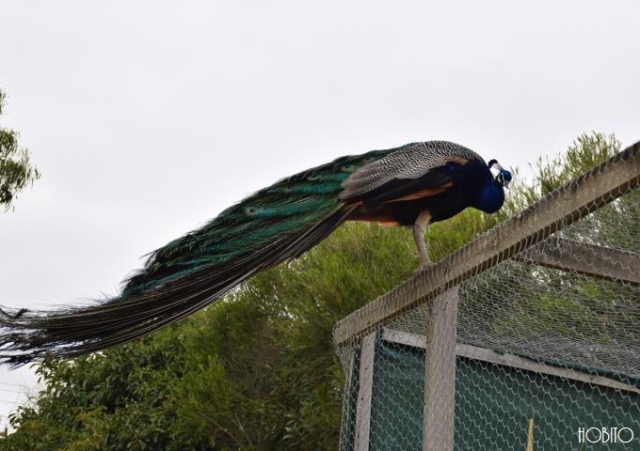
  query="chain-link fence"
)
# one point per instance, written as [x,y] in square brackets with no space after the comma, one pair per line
[528,338]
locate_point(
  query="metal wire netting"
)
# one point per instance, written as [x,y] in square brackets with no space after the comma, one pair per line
[534,345]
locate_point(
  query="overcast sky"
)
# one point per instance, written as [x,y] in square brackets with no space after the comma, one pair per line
[148,118]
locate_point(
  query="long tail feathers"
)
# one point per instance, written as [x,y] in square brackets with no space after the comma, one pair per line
[274,225]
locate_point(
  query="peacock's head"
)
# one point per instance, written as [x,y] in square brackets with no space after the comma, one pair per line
[491,196]
[501,175]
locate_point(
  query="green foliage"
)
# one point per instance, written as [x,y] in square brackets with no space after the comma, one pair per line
[16,170]
[272,341]
[119,399]
[257,370]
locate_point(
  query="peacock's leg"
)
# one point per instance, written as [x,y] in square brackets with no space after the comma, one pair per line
[419,227]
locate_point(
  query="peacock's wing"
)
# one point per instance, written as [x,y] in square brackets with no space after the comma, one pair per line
[412,171]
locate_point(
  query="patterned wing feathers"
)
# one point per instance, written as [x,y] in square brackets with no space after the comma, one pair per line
[407,163]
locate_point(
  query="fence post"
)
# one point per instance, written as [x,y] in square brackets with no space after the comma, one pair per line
[365,393]
[440,373]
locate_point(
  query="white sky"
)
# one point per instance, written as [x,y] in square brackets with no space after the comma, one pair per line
[148,118]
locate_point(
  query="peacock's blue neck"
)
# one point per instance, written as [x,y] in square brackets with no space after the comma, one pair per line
[491,197]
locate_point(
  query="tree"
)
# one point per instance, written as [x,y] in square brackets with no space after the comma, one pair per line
[16,170]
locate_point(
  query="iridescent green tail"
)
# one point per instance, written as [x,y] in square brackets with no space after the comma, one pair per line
[275,224]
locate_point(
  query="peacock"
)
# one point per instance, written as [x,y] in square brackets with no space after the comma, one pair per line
[413,185]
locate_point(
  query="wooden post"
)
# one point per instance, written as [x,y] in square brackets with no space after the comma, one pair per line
[365,393]
[440,373]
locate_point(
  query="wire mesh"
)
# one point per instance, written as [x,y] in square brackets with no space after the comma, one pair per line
[547,340]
